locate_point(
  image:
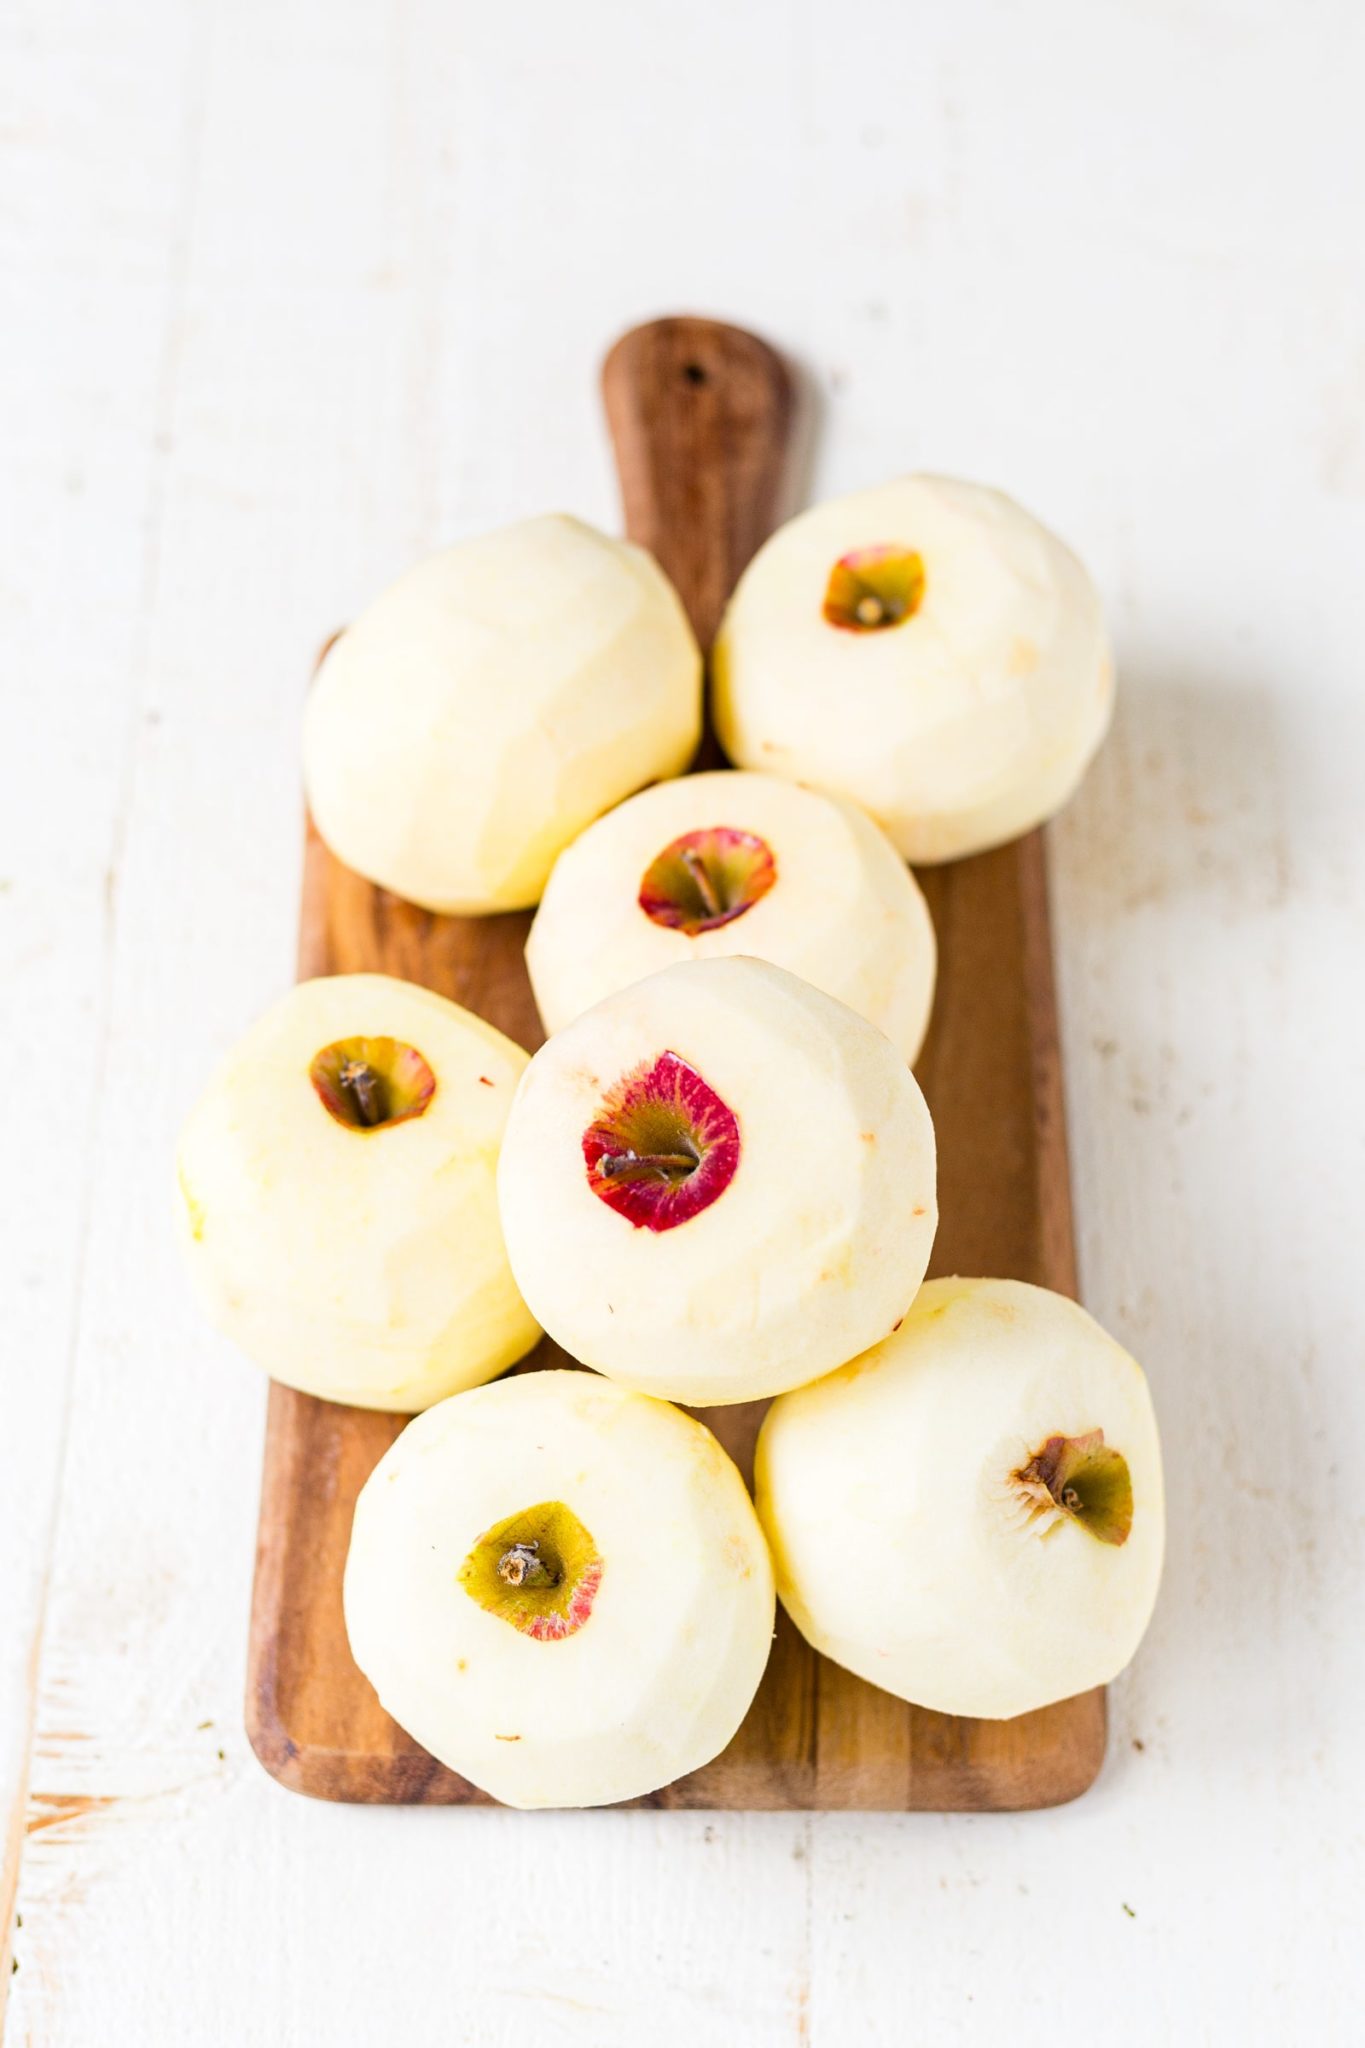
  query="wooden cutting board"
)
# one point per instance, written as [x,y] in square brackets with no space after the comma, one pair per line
[700,415]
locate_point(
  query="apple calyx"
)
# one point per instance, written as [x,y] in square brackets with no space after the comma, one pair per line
[538,1570]
[706,879]
[872,588]
[367,1084]
[1083,1479]
[523,1565]
[663,1146]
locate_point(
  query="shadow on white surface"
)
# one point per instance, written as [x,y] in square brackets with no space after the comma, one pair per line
[1204,817]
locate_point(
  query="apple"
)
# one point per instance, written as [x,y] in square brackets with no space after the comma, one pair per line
[490,704]
[560,1589]
[928,650]
[708,866]
[718,1183]
[336,1195]
[971,1515]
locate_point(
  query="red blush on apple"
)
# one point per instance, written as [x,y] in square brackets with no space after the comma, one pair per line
[663,1147]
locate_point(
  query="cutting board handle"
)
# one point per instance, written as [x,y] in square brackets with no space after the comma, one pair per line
[700,417]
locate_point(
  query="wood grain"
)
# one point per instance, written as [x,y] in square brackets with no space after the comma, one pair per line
[700,413]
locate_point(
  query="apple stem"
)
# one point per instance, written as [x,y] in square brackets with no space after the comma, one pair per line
[869,611]
[522,1565]
[628,1165]
[701,875]
[365,1089]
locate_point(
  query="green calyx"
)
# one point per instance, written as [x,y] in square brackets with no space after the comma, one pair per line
[1084,1479]
[538,1570]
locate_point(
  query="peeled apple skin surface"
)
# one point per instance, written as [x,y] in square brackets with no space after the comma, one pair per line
[962,726]
[844,912]
[814,1248]
[901,1548]
[490,704]
[362,1266]
[662,1672]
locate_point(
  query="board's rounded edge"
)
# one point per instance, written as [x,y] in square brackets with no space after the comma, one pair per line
[1087,1755]
[1066,1772]
[346,1778]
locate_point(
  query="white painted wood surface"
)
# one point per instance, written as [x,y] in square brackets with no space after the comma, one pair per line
[294,289]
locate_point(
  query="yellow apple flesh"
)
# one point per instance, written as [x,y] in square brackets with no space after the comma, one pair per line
[361,1261]
[971,1515]
[832,901]
[665,1579]
[926,649]
[787,1216]
[493,702]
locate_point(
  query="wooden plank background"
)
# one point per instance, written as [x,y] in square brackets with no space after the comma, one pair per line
[291,291]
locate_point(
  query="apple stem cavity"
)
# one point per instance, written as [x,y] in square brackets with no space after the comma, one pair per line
[706,879]
[1082,1479]
[663,1145]
[370,1084]
[872,588]
[538,1571]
